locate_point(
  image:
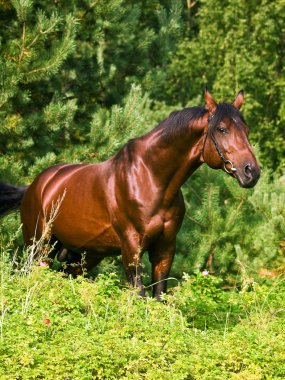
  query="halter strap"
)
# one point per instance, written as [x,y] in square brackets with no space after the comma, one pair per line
[232,169]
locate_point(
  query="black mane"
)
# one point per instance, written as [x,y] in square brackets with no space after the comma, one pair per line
[178,121]
[225,110]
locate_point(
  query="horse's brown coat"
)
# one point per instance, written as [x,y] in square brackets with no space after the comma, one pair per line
[132,202]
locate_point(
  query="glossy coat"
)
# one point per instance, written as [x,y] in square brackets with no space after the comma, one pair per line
[132,202]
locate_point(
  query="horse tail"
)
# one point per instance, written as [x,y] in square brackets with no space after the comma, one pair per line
[10,197]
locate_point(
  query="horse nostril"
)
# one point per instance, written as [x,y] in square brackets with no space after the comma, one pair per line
[248,170]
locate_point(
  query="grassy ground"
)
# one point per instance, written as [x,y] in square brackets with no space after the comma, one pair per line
[53,327]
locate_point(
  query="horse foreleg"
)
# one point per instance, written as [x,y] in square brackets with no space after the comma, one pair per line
[131,257]
[161,256]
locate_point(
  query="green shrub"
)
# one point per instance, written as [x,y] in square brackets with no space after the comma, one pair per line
[227,227]
[54,327]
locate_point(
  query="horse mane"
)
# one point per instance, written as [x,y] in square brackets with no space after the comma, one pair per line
[225,110]
[178,121]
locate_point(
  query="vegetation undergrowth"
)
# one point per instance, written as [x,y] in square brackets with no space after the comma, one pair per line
[54,327]
[77,80]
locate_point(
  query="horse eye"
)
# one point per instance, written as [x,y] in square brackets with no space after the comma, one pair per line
[222,130]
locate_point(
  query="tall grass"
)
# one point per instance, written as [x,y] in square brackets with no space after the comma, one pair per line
[57,327]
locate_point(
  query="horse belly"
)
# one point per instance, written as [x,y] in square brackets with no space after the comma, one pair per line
[85,235]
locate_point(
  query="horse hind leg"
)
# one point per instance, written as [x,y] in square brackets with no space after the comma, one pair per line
[72,262]
[76,264]
[63,255]
[54,246]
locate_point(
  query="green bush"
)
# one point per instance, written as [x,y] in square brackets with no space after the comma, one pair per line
[54,327]
[67,76]
[227,227]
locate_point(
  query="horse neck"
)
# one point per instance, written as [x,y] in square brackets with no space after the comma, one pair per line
[173,160]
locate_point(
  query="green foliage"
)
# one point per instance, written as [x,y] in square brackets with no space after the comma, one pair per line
[33,120]
[56,327]
[70,77]
[65,64]
[239,44]
[226,226]
[110,130]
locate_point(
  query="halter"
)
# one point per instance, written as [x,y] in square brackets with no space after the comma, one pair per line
[232,169]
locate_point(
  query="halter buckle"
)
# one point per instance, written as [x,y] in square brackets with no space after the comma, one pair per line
[232,169]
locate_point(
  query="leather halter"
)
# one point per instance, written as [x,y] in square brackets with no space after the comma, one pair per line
[232,169]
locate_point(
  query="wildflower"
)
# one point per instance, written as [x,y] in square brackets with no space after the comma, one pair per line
[43,264]
[205,273]
[46,321]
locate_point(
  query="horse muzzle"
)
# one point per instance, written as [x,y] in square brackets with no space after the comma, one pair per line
[248,175]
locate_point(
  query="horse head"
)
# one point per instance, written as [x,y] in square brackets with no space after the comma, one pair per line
[226,145]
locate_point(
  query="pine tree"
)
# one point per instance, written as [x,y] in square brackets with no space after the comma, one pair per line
[54,80]
[238,44]
[226,226]
[33,120]
[111,129]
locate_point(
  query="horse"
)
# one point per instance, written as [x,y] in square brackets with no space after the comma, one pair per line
[132,202]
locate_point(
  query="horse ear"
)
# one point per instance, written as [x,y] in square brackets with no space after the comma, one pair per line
[211,105]
[239,100]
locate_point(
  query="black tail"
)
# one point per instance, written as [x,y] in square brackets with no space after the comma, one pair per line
[10,197]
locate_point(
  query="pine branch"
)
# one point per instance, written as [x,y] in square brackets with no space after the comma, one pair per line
[235,212]
[23,49]
[60,53]
[194,220]
[42,20]
[89,9]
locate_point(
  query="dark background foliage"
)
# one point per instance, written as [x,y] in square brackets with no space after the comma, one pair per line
[78,78]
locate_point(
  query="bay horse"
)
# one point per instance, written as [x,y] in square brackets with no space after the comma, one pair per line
[132,202]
